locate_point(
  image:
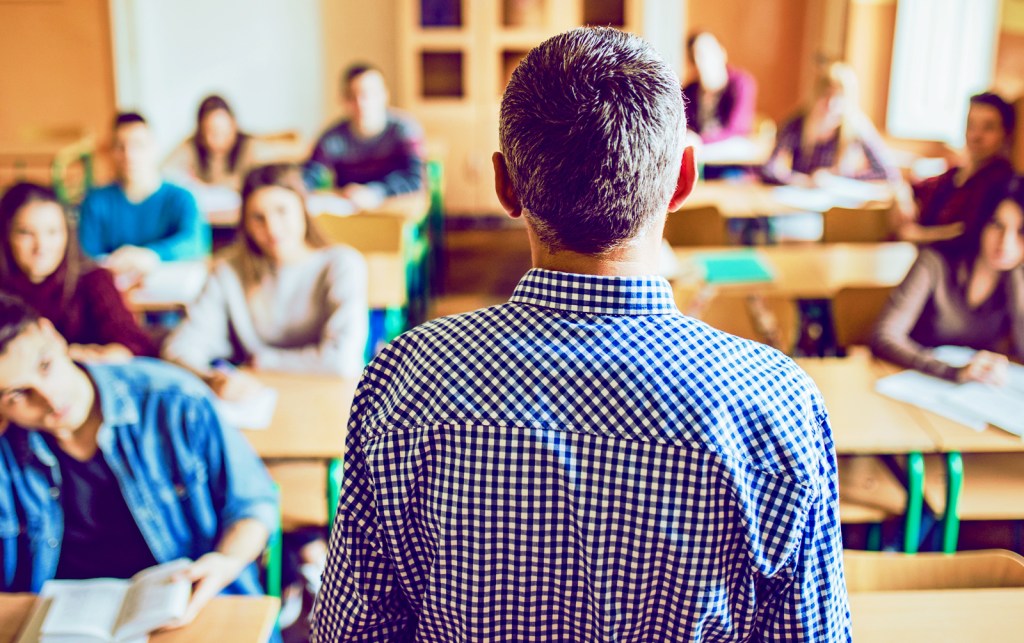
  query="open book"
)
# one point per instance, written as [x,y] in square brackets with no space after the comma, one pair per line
[109,609]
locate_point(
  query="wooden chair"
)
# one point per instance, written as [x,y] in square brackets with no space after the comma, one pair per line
[303,488]
[768,319]
[855,311]
[857,225]
[869,494]
[287,146]
[703,226]
[885,571]
[993,486]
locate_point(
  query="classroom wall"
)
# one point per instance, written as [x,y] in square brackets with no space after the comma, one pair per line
[768,38]
[266,58]
[57,70]
[871,28]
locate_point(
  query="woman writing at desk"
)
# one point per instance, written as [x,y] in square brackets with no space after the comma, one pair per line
[40,263]
[279,299]
[967,291]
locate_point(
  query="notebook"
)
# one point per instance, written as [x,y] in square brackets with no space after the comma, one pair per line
[734,267]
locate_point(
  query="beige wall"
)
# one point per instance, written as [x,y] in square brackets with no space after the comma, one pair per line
[57,66]
[354,31]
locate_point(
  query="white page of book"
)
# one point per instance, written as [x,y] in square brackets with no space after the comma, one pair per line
[253,413]
[929,393]
[153,600]
[83,607]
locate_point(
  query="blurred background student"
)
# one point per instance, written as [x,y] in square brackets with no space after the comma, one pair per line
[967,291]
[721,101]
[139,220]
[830,136]
[42,265]
[943,204]
[280,298]
[375,152]
[217,154]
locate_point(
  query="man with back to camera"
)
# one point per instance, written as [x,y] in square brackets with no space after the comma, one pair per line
[140,220]
[375,152]
[585,463]
[110,469]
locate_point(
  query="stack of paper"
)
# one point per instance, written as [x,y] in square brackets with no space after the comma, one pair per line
[972,404]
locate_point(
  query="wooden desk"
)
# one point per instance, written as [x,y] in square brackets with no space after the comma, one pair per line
[749,200]
[225,618]
[991,615]
[311,417]
[864,421]
[817,271]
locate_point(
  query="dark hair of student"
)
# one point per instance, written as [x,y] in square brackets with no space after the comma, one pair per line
[353,71]
[963,251]
[1006,111]
[210,104]
[128,118]
[254,263]
[15,317]
[17,197]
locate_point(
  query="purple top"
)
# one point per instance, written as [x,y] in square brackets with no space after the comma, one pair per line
[823,155]
[734,113]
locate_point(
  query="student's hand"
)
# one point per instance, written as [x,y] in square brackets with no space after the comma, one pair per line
[800,179]
[363,197]
[108,353]
[985,367]
[209,575]
[232,386]
[132,260]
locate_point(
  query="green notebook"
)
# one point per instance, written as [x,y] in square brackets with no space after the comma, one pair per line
[733,267]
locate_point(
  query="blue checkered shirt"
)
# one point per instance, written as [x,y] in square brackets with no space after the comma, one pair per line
[585,463]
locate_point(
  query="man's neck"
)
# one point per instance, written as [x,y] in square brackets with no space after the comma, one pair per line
[139,188]
[637,257]
[82,442]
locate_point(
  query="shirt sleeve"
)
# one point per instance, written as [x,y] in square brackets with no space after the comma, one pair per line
[740,120]
[811,602]
[239,484]
[891,339]
[113,322]
[190,238]
[90,227]
[342,344]
[408,177]
[879,165]
[204,334]
[361,598]
[318,171]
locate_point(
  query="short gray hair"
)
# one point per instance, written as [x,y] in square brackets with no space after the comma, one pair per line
[591,130]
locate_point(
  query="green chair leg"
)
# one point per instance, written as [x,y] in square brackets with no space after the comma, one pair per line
[874,541]
[334,474]
[954,487]
[274,559]
[915,502]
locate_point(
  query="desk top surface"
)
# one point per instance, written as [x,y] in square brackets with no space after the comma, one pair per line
[862,420]
[991,615]
[819,270]
[226,618]
[751,199]
[311,418]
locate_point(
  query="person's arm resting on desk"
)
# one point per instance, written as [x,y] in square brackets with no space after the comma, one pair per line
[191,237]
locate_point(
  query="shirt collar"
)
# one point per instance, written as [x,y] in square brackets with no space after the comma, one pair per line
[594,294]
[116,402]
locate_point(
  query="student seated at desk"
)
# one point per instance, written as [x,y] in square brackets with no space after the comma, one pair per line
[720,104]
[832,135]
[376,152]
[40,262]
[139,220]
[968,291]
[280,298]
[114,468]
[942,205]
[218,154]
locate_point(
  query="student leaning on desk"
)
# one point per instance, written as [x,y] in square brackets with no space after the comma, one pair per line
[41,263]
[106,470]
[967,291]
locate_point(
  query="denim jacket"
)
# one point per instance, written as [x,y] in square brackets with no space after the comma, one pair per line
[185,476]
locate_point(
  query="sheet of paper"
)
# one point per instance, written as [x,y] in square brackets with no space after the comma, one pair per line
[253,413]
[929,393]
[212,198]
[83,607]
[173,281]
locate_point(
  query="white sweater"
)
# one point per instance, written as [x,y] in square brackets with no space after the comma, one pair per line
[309,317]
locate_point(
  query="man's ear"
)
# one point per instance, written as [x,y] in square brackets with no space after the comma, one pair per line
[503,187]
[687,179]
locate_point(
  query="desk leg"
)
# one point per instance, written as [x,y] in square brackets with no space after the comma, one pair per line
[334,472]
[274,560]
[915,502]
[954,486]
